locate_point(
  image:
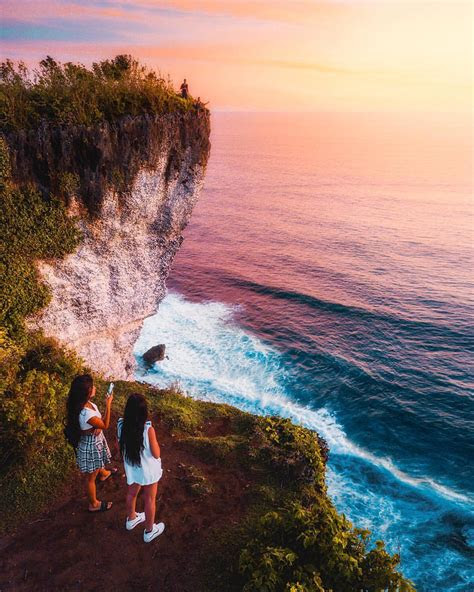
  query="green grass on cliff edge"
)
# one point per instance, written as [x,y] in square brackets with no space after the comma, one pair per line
[79,132]
[71,94]
[292,540]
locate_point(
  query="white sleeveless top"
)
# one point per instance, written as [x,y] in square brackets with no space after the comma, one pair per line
[150,470]
[86,414]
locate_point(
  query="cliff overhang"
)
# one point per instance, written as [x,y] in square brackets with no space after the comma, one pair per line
[86,162]
[131,184]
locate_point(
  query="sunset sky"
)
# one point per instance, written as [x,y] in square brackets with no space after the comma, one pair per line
[268,54]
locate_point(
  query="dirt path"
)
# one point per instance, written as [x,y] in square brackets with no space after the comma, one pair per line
[69,549]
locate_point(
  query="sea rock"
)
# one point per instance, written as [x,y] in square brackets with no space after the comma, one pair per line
[155,354]
[102,293]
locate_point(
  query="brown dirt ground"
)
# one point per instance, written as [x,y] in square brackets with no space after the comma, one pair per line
[67,548]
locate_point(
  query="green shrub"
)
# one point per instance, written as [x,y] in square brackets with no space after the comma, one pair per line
[244,423]
[293,454]
[34,382]
[181,414]
[32,226]
[71,94]
[314,548]
[378,571]
[69,184]
[5,165]
[292,539]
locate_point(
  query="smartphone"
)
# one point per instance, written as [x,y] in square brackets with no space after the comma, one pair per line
[110,389]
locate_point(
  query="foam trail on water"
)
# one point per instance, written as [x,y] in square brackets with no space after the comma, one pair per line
[214,359]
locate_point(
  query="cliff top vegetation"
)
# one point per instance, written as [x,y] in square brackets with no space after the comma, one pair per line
[72,94]
[78,132]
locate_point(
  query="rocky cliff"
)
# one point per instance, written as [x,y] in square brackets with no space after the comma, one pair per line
[132,185]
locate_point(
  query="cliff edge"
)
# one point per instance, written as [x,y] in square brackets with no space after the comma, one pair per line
[131,225]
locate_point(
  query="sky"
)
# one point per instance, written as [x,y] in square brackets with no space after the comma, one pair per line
[269,55]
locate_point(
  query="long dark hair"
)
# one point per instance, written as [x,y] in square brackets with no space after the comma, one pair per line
[131,436]
[79,394]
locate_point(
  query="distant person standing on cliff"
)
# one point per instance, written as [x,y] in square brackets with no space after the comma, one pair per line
[184,89]
[85,432]
[141,458]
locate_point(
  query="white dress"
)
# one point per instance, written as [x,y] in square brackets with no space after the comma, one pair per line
[149,471]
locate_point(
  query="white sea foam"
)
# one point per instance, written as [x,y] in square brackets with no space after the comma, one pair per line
[214,359]
[364,505]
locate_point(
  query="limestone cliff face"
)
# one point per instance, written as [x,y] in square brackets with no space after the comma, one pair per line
[102,293]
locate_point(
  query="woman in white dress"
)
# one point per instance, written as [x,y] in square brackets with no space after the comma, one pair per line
[141,458]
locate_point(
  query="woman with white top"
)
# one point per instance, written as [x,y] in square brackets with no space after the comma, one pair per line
[141,458]
[84,431]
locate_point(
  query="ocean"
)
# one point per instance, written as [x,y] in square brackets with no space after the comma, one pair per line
[326,276]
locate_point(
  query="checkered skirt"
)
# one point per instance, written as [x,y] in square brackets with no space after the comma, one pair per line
[92,453]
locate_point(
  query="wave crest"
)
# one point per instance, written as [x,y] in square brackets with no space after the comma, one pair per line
[213,359]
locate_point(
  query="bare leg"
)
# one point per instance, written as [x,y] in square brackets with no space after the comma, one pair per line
[91,489]
[150,505]
[132,494]
[104,473]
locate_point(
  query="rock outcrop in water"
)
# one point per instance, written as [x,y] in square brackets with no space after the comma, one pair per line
[133,185]
[155,354]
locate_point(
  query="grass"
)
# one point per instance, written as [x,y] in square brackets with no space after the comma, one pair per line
[197,484]
[71,94]
[77,133]
[232,449]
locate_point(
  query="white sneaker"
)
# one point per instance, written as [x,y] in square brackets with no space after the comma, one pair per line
[155,532]
[140,517]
